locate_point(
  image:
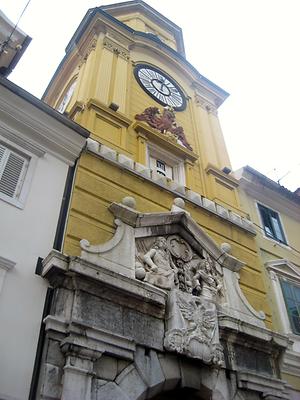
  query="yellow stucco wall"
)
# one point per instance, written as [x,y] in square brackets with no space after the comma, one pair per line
[104,69]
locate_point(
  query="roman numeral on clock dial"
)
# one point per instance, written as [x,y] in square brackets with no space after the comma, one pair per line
[160,87]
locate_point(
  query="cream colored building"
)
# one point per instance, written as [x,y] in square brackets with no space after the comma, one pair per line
[275,212]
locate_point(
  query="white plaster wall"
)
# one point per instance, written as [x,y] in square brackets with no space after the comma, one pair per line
[23,293]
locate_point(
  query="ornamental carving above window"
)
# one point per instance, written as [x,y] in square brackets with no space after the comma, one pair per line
[165,123]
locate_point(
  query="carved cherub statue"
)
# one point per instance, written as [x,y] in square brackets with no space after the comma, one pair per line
[161,269]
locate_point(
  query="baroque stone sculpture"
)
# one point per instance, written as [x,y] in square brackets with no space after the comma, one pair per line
[192,328]
[165,123]
[193,283]
[170,262]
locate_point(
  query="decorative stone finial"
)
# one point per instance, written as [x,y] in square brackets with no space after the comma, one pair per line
[178,206]
[129,201]
[226,247]
[179,202]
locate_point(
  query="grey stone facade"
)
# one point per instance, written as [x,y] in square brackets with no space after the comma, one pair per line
[113,333]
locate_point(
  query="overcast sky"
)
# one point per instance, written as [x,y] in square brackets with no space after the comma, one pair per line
[250,48]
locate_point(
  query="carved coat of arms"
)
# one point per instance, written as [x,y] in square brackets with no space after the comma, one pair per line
[193,282]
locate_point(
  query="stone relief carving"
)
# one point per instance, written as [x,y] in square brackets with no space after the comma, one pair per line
[161,270]
[165,123]
[192,328]
[169,262]
[193,282]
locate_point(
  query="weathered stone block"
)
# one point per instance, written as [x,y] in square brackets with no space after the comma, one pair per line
[126,161]
[106,368]
[170,367]
[149,368]
[209,204]
[107,152]
[146,330]
[110,391]
[98,312]
[222,211]
[177,187]
[54,354]
[92,145]
[52,385]
[132,384]
[194,197]
[143,170]
[191,375]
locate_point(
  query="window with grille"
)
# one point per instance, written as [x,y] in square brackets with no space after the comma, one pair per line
[291,294]
[161,167]
[13,168]
[271,224]
[165,163]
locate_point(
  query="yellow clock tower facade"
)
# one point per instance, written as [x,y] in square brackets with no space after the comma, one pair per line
[154,188]
[99,78]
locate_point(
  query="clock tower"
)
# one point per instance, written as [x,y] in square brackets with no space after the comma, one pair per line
[155,131]
[122,60]
[159,211]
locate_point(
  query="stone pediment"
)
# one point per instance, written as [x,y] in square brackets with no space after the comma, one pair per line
[171,251]
[284,268]
[178,221]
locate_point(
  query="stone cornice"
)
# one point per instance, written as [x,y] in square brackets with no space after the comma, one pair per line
[116,48]
[99,21]
[179,222]
[143,172]
[229,179]
[103,109]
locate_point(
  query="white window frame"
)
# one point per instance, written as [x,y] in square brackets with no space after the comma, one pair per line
[285,270]
[176,163]
[19,200]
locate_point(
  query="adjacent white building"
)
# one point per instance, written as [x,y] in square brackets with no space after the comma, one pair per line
[38,149]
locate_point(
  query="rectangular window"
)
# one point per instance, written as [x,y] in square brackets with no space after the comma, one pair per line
[161,167]
[291,294]
[13,168]
[271,223]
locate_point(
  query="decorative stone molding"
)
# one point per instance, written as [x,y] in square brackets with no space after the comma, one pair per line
[207,106]
[115,254]
[116,48]
[90,47]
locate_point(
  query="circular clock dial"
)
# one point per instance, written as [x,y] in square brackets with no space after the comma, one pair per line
[160,87]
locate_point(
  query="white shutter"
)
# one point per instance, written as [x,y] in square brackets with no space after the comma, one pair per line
[13,168]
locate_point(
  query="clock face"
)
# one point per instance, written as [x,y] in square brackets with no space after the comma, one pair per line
[160,87]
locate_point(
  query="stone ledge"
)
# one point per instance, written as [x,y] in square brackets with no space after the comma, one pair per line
[234,325]
[176,189]
[58,262]
[264,384]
